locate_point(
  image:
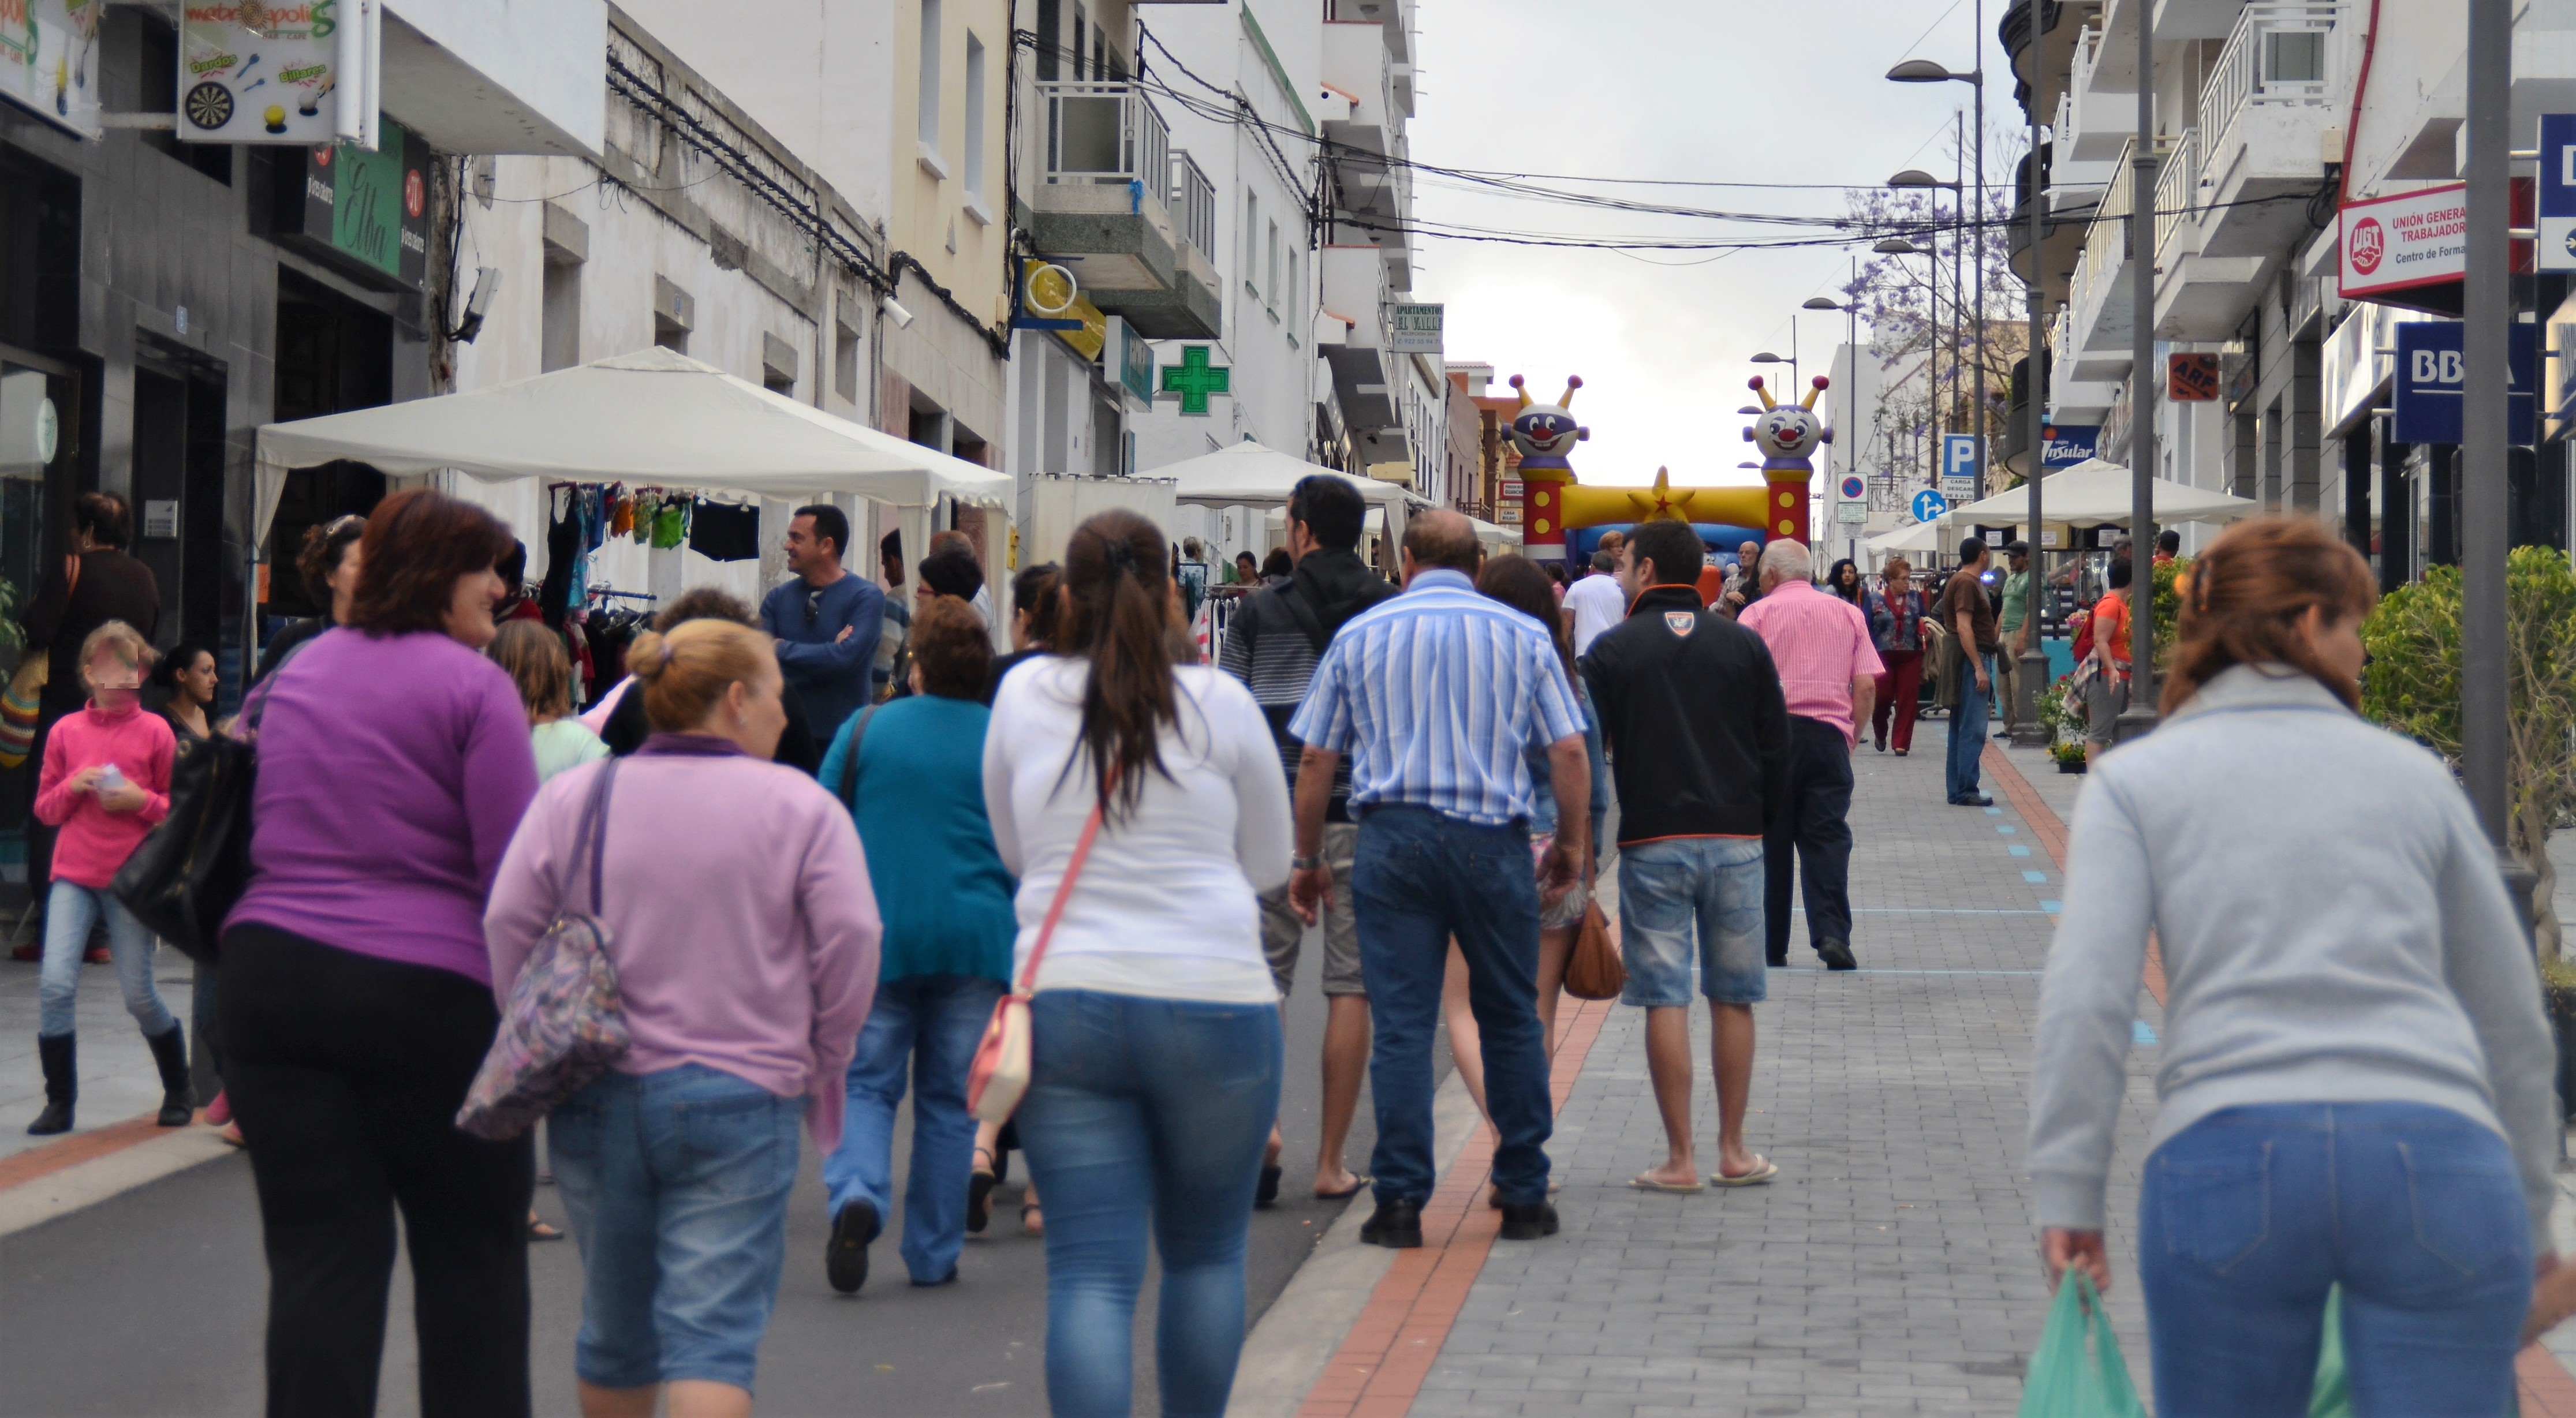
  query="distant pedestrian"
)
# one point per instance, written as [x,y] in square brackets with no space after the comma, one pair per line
[1896,614]
[827,621]
[394,763]
[1436,696]
[2017,627]
[1035,594]
[916,791]
[2106,688]
[885,674]
[1820,645]
[738,915]
[534,655]
[1843,581]
[2356,1079]
[1273,644]
[189,678]
[980,598]
[1595,603]
[1968,613]
[949,571]
[1277,567]
[328,566]
[104,784]
[1156,1022]
[2168,546]
[1694,715]
[626,725]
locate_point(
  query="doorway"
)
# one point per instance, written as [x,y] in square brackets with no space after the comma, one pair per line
[333,354]
[178,497]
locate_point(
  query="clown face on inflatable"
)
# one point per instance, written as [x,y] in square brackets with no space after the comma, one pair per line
[1788,435]
[1545,433]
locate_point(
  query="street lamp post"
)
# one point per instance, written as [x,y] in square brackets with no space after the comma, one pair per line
[2028,732]
[2487,306]
[1924,71]
[1899,246]
[1851,379]
[2141,713]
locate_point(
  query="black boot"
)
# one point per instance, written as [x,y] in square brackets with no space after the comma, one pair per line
[178,1096]
[62,1085]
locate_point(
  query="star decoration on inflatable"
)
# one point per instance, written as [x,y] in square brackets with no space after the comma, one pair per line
[1660,503]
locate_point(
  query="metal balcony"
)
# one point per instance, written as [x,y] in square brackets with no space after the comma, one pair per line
[1194,204]
[1100,134]
[2103,302]
[2275,91]
[1113,203]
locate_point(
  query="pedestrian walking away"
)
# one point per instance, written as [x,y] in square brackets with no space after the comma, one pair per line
[1034,598]
[1965,610]
[1896,624]
[1155,1024]
[1595,603]
[1820,645]
[1698,728]
[1435,697]
[104,783]
[1272,644]
[533,654]
[828,622]
[394,763]
[624,727]
[911,773]
[968,584]
[2016,627]
[2355,1088]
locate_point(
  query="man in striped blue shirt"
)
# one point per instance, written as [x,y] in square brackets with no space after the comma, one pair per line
[1435,696]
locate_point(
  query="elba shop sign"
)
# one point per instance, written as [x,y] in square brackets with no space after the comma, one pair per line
[2411,239]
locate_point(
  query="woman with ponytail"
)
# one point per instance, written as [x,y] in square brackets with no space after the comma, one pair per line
[2356,1080]
[1156,1024]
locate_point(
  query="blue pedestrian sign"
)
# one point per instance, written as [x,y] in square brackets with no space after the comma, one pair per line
[2556,197]
[2432,373]
[1930,506]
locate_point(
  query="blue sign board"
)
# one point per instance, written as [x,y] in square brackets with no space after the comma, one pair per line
[1929,506]
[1958,455]
[2556,197]
[2432,359]
[2064,446]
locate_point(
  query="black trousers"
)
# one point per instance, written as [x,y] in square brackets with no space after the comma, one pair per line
[1813,832]
[346,1072]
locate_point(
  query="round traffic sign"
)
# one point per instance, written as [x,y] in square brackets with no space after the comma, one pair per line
[1929,505]
[1854,489]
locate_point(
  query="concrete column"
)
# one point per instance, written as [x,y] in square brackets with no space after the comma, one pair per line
[2302,426]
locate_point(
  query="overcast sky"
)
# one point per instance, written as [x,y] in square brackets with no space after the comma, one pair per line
[1699,90]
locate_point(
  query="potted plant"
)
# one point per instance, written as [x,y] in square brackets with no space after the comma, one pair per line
[2069,755]
[2061,711]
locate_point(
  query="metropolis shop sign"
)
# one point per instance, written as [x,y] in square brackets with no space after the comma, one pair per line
[366,213]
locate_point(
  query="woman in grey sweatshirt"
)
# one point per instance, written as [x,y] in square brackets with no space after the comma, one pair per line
[2355,1076]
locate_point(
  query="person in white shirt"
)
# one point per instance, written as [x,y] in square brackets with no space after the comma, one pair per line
[1156,1057]
[1595,603]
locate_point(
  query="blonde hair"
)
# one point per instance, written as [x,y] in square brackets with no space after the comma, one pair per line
[683,672]
[129,642]
[534,656]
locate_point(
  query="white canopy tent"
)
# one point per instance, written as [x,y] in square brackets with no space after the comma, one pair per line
[2094,493]
[1921,537]
[1249,475]
[653,418]
[1496,538]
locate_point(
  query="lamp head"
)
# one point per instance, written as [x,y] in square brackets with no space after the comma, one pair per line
[1922,71]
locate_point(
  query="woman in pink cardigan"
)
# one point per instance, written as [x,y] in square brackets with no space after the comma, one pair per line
[745,937]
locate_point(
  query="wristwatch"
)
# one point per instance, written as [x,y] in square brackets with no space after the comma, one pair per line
[1297,863]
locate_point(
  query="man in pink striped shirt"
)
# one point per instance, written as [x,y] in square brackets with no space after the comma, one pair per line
[1829,673]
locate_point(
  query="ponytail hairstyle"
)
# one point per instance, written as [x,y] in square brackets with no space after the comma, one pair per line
[2244,597]
[1116,614]
[683,672]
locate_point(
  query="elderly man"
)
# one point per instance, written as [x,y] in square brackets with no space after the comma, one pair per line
[1828,674]
[1436,696]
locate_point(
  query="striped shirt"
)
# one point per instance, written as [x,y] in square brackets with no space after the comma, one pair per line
[1434,696]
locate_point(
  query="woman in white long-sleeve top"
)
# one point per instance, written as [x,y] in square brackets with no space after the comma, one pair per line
[2355,1083]
[1155,1070]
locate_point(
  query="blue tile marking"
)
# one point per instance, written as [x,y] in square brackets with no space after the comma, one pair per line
[2035,878]
[2140,1032]
[2006,828]
[1994,812]
[2053,908]
[2018,851]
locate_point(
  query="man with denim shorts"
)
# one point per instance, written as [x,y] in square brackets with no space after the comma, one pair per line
[1699,735]
[1435,695]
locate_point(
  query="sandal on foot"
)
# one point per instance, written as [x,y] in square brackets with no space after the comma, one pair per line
[538,1230]
[1645,1182]
[1267,1194]
[1759,1176]
[1032,1219]
[979,1194]
[1358,1183]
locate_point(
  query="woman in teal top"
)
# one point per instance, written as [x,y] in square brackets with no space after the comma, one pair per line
[918,799]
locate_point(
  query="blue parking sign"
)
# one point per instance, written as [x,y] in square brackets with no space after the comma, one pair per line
[1958,455]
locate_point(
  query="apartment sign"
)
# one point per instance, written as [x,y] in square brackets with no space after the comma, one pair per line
[2557,192]
[2401,242]
[1415,329]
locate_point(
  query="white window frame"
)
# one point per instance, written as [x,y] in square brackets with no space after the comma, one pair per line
[926,119]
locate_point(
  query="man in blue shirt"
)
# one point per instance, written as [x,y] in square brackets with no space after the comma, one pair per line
[1436,695]
[827,621]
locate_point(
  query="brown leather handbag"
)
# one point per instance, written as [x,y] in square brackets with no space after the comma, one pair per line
[1594,970]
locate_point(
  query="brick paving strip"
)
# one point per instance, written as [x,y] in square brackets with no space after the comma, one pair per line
[86,1168]
[2548,1389]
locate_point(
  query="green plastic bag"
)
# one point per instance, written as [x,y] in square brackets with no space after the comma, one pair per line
[2333,1396]
[2077,1372]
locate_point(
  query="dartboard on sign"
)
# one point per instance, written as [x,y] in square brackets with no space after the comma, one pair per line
[210,105]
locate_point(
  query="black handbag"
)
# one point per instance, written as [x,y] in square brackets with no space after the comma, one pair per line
[188,874]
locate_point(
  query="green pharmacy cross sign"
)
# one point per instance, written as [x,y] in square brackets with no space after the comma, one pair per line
[1194,378]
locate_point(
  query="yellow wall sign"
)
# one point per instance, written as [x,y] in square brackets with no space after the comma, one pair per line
[1093,337]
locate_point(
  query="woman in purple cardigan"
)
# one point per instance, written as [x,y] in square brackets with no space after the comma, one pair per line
[356,993]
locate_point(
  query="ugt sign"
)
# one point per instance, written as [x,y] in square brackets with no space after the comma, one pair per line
[2432,376]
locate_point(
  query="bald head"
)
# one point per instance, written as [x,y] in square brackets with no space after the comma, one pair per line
[1440,538]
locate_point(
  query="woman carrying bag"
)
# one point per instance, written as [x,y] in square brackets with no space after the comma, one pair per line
[1156,1053]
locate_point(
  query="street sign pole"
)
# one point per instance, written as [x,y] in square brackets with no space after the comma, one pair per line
[2141,713]
[2487,312]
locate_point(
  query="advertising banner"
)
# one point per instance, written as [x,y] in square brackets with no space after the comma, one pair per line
[1415,329]
[2557,195]
[254,72]
[365,210]
[2065,445]
[2432,358]
[2411,239]
[49,60]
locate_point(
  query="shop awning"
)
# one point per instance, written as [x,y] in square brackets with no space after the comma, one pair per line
[1250,475]
[653,418]
[2094,493]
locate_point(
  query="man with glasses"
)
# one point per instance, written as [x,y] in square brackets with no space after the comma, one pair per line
[827,621]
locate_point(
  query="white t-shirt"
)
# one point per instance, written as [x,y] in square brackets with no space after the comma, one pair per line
[1598,604]
[1165,906]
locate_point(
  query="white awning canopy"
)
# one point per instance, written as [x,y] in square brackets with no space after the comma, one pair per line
[1250,475]
[1922,536]
[2094,493]
[652,417]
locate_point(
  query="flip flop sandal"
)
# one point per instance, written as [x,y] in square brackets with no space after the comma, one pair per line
[1759,1176]
[1358,1184]
[979,1196]
[1267,1194]
[1645,1183]
[540,1231]
[1032,1219]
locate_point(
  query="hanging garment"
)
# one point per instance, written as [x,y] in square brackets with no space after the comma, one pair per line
[563,543]
[722,531]
[670,524]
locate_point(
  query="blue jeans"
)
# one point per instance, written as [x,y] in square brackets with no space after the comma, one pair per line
[69,912]
[1683,892]
[938,1020]
[676,1183]
[1967,733]
[1418,880]
[2247,1216]
[1147,1114]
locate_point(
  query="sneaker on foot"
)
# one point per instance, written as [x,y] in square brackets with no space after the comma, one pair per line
[1837,955]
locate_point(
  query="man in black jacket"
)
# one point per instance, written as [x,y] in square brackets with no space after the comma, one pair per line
[1692,709]
[1272,645]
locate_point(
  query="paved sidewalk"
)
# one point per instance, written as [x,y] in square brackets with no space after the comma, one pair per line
[117,1077]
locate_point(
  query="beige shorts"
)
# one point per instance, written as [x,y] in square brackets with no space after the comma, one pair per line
[1282,933]
[1568,912]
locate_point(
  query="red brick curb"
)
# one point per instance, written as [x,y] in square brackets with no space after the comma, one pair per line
[35,1162]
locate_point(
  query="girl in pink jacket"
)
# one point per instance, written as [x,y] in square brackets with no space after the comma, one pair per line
[105,782]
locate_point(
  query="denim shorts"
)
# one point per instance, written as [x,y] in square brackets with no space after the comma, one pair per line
[676,1183]
[1672,888]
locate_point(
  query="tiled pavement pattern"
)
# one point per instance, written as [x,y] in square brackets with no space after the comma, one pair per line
[1891,1269]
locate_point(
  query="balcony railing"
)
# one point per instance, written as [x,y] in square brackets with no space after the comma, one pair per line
[1105,133]
[1194,204]
[2106,241]
[2177,184]
[2279,52]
